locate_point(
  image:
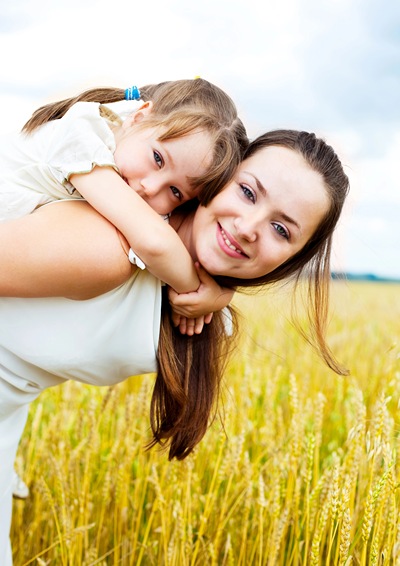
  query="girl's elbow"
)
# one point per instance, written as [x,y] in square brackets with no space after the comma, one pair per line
[153,253]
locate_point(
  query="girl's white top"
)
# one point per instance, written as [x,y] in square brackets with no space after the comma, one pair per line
[35,168]
[99,341]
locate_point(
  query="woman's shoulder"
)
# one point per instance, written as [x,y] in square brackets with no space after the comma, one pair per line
[93,241]
[79,252]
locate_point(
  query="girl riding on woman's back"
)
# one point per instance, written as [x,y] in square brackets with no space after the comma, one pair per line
[184,136]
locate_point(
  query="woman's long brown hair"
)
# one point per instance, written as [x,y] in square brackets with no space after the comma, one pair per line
[187,388]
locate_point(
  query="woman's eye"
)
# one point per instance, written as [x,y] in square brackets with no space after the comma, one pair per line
[176,192]
[281,230]
[248,193]
[158,159]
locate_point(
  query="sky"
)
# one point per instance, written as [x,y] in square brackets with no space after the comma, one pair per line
[331,67]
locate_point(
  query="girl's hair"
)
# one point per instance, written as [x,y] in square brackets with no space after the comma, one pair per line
[179,108]
[190,368]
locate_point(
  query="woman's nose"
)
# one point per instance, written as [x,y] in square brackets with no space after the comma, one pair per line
[246,228]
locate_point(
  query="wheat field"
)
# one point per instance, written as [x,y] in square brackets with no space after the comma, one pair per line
[305,470]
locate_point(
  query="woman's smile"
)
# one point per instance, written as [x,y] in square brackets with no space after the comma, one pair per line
[263,217]
[228,245]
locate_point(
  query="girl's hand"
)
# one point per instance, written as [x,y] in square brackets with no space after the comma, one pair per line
[190,326]
[208,298]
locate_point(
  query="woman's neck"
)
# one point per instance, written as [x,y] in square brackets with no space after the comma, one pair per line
[183,226]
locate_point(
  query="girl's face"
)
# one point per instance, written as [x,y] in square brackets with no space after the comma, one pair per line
[265,215]
[159,171]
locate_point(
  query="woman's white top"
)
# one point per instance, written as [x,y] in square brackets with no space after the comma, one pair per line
[100,341]
[46,341]
[35,168]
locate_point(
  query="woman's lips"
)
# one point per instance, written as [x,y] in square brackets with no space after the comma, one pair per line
[228,244]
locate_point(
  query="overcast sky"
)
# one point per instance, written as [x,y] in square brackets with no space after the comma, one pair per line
[332,67]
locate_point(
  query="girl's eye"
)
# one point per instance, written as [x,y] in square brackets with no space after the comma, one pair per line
[248,193]
[176,192]
[281,230]
[158,159]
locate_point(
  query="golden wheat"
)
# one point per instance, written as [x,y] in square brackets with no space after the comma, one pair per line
[306,470]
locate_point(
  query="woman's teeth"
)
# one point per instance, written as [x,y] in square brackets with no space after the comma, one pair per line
[229,243]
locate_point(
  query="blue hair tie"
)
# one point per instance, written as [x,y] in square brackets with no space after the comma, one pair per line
[132,93]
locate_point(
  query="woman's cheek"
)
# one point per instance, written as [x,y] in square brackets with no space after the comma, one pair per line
[209,262]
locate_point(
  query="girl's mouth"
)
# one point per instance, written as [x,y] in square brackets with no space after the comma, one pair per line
[228,244]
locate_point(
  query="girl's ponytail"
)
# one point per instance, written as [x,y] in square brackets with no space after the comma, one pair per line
[56,110]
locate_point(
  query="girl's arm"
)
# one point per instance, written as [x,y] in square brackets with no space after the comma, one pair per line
[149,236]
[67,249]
[209,294]
[63,249]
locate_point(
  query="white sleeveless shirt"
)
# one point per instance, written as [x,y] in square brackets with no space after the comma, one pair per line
[100,341]
[44,342]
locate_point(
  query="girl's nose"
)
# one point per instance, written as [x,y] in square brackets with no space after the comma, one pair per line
[157,197]
[150,189]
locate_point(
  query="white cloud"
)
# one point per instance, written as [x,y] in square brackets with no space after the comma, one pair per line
[376,179]
[327,67]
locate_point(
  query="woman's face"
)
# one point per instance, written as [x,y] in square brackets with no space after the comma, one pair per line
[266,214]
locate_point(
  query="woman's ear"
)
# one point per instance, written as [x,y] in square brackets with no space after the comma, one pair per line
[144,110]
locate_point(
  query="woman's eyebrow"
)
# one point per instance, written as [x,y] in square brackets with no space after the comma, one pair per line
[260,186]
[291,221]
[263,191]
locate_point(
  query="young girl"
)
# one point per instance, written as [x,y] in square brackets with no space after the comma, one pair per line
[184,136]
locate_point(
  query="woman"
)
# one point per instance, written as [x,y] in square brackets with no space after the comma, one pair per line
[273,220]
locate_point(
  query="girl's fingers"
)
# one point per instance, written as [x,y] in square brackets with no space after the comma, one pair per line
[191,326]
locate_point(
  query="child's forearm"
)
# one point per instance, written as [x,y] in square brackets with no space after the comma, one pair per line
[208,298]
[150,237]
